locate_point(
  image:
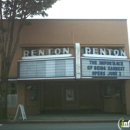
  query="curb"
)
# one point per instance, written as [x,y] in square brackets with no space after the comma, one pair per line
[6,121]
[65,121]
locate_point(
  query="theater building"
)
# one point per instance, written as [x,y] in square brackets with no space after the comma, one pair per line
[71,65]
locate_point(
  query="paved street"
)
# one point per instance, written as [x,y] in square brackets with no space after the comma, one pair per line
[60,126]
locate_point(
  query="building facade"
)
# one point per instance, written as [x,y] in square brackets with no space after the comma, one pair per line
[71,65]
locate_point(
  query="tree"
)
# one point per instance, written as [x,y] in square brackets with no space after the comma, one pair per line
[10,10]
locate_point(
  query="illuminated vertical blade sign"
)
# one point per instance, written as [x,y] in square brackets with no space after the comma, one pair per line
[77,61]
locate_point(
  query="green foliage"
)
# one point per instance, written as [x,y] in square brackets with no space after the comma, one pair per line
[21,9]
[12,10]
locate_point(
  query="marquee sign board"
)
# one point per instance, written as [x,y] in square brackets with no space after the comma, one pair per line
[105,68]
[49,68]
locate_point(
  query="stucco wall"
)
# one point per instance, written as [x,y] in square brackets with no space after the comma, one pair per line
[64,33]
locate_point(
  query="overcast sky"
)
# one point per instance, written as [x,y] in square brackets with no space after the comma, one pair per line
[90,9]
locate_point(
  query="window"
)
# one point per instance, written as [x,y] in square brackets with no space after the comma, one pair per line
[33,90]
[12,96]
[112,91]
[69,94]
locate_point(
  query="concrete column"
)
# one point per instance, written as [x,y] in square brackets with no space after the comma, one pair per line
[127,91]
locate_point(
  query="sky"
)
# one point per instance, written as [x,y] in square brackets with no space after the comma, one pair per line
[92,9]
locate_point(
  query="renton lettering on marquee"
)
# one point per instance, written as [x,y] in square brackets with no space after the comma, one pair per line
[42,52]
[105,51]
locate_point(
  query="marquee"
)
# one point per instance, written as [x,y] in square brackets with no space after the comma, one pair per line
[105,68]
[46,68]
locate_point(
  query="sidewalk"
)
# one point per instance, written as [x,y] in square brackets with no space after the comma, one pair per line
[72,118]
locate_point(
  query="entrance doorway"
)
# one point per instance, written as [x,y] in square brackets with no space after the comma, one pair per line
[83,95]
[90,96]
[53,97]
